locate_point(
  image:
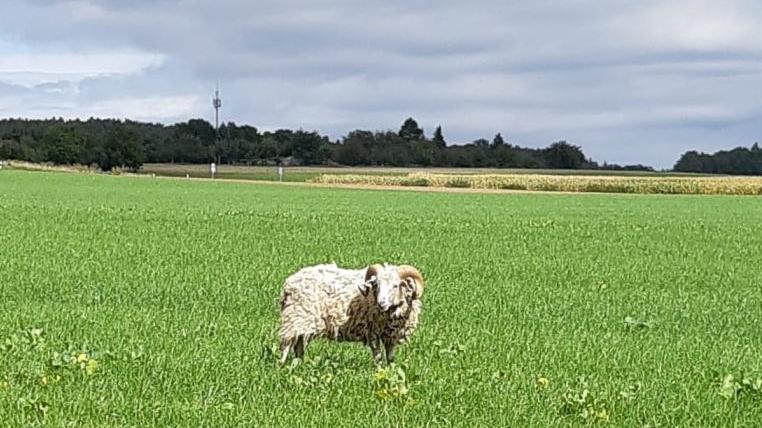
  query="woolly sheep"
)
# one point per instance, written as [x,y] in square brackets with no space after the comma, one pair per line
[376,305]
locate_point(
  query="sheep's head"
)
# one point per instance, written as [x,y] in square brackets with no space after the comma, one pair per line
[394,287]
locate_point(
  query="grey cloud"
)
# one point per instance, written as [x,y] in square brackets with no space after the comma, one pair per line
[9,89]
[629,81]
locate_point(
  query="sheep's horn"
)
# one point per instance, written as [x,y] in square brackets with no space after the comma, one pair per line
[406,271]
[372,271]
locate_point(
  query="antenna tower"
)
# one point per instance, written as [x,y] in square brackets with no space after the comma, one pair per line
[217,103]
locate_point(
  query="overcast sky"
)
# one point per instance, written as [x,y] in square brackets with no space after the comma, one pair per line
[629,81]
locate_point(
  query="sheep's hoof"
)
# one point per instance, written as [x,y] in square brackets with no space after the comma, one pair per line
[294,362]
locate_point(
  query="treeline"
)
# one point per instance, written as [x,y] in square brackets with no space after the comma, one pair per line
[113,143]
[740,161]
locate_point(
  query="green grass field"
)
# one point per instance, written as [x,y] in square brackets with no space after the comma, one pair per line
[143,302]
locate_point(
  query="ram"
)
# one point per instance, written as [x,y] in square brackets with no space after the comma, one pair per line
[378,305]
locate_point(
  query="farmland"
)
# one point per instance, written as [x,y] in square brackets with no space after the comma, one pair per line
[302,173]
[717,185]
[131,301]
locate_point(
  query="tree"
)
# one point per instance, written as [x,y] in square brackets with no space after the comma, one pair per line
[737,161]
[201,129]
[122,147]
[410,130]
[307,147]
[498,140]
[504,156]
[111,143]
[355,148]
[267,149]
[62,146]
[562,155]
[438,138]
[9,149]
[132,149]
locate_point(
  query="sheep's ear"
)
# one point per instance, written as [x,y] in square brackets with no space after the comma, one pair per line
[370,278]
[411,275]
[364,288]
[410,284]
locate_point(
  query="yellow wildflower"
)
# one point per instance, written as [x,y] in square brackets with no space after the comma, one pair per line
[542,381]
[602,415]
[92,365]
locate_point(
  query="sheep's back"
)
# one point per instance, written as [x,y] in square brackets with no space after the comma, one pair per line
[316,300]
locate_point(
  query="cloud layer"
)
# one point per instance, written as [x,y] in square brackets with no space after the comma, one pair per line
[631,82]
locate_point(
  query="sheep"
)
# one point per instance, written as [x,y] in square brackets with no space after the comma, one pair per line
[376,305]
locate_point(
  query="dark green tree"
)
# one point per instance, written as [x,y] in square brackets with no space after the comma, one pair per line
[61,145]
[355,148]
[110,143]
[736,161]
[307,147]
[438,138]
[410,130]
[122,147]
[498,140]
[267,149]
[562,155]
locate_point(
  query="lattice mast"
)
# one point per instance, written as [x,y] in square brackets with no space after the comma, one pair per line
[217,103]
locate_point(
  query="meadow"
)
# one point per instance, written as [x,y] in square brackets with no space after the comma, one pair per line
[132,301]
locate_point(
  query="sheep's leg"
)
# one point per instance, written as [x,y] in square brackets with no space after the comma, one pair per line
[375,348]
[285,348]
[299,347]
[390,348]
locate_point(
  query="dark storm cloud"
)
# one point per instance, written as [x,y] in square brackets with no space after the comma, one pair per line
[629,81]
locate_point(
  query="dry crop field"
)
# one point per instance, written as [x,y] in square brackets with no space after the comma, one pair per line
[673,185]
[142,302]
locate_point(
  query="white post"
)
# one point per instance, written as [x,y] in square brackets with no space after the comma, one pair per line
[213,169]
[280,173]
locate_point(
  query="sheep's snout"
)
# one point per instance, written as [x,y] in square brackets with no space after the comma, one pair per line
[391,301]
[384,302]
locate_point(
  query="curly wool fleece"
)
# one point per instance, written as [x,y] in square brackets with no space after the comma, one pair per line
[377,305]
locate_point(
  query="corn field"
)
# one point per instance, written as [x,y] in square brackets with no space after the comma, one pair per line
[562,183]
